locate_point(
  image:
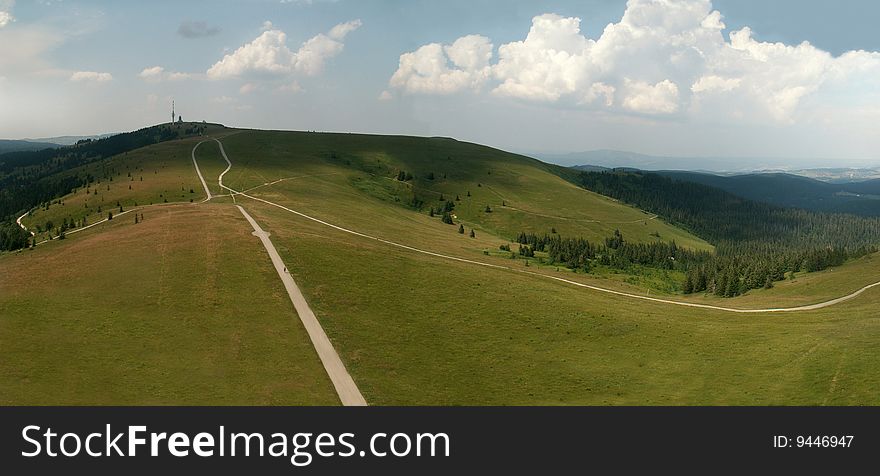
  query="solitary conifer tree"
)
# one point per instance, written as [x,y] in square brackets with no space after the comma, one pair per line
[473,235]
[461,229]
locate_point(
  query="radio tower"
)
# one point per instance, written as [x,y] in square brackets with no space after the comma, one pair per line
[172,111]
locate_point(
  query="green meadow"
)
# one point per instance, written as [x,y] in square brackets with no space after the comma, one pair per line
[185,307]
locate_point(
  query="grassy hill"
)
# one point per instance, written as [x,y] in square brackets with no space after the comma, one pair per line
[359,171]
[154,314]
[190,283]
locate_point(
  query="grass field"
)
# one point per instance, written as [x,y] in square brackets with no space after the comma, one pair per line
[342,173]
[161,173]
[183,308]
[411,328]
[420,330]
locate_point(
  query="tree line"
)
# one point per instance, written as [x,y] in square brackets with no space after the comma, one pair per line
[615,252]
[31,178]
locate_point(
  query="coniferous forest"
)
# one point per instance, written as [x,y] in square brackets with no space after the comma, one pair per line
[756,243]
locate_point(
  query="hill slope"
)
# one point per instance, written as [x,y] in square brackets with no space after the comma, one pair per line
[787,190]
[23,145]
[415,327]
[523,194]
[153,314]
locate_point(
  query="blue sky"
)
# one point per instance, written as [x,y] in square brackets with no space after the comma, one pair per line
[667,77]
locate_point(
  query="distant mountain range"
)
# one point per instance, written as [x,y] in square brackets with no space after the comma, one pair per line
[785,189]
[24,145]
[718,165]
[18,145]
[69,140]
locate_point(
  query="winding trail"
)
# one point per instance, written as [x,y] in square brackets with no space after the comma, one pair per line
[22,226]
[76,230]
[568,281]
[810,307]
[208,194]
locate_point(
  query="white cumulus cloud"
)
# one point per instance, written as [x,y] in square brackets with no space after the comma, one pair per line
[6,12]
[91,76]
[269,55]
[660,98]
[158,73]
[552,61]
[443,69]
[663,57]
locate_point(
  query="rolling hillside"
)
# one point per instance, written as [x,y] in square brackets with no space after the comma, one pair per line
[23,145]
[419,313]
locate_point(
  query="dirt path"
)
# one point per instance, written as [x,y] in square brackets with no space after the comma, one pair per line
[575,283]
[199,172]
[22,226]
[810,307]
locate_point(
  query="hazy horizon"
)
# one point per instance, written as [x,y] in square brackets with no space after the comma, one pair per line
[720,164]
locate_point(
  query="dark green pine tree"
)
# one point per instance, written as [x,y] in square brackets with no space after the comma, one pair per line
[461,229]
[720,284]
[688,287]
[473,235]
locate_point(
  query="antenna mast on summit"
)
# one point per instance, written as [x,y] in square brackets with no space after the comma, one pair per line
[172,111]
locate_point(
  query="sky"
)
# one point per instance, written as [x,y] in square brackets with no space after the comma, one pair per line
[794,80]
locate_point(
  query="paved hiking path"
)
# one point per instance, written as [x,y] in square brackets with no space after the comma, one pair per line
[345,386]
[346,389]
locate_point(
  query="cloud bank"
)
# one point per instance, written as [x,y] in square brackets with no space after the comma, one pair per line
[663,58]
